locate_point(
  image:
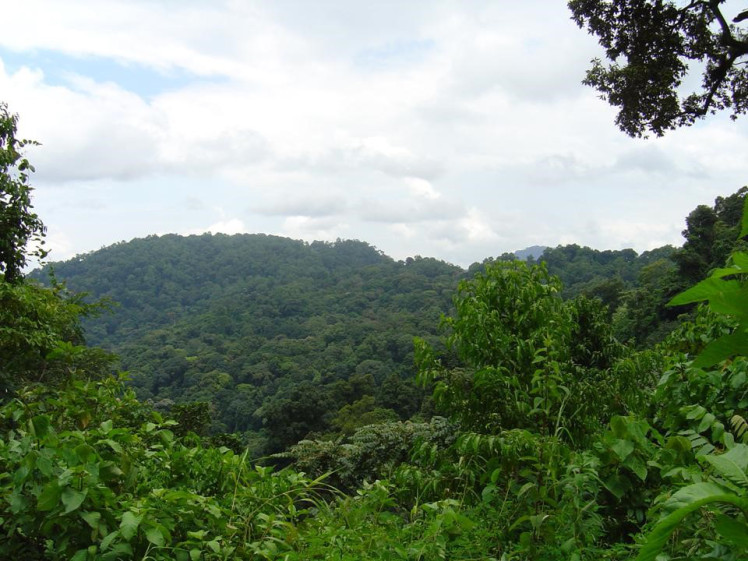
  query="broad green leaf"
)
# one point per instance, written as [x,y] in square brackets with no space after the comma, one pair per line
[72,498]
[113,445]
[617,485]
[618,426]
[726,272]
[744,222]
[737,381]
[155,536]
[197,535]
[622,448]
[49,497]
[706,422]
[108,539]
[118,552]
[687,495]
[694,412]
[129,525]
[740,259]
[18,502]
[525,488]
[92,518]
[40,426]
[734,531]
[488,493]
[723,348]
[731,302]
[659,536]
[705,290]
[732,465]
[678,443]
[44,465]
[637,465]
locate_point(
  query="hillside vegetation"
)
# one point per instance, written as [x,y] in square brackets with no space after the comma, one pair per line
[552,439]
[605,418]
[279,340]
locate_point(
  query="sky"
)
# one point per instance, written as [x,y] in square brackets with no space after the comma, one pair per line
[451,129]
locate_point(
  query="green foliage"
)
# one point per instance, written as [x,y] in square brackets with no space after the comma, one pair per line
[711,236]
[89,473]
[276,334]
[41,336]
[525,358]
[191,417]
[728,486]
[566,445]
[361,413]
[633,287]
[249,323]
[651,47]
[371,452]
[508,321]
[19,226]
[701,405]
[726,292]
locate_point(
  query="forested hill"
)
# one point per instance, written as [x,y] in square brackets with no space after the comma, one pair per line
[277,334]
[160,279]
[285,338]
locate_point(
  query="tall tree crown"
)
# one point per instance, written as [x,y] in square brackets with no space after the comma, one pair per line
[19,226]
[652,45]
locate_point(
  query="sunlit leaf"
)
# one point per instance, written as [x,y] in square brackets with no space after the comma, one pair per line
[129,525]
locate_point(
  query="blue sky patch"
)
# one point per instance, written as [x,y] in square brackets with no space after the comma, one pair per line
[138,79]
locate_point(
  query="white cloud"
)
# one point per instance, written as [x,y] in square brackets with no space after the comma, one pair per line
[230,226]
[422,188]
[314,228]
[454,129]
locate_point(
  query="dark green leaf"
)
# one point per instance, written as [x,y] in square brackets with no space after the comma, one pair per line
[734,531]
[72,498]
[92,519]
[49,497]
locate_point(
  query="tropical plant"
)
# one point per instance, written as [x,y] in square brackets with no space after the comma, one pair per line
[21,230]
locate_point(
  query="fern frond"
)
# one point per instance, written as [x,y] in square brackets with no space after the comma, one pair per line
[740,428]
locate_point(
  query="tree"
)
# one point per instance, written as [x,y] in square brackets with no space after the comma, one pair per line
[525,358]
[711,235]
[651,46]
[19,227]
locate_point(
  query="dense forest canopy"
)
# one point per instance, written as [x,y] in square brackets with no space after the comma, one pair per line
[550,414]
[583,405]
[282,339]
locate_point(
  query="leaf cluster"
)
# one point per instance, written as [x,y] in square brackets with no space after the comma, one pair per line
[651,46]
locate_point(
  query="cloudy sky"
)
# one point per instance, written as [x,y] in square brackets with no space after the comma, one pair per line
[453,129]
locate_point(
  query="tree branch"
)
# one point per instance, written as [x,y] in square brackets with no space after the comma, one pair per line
[721,75]
[727,37]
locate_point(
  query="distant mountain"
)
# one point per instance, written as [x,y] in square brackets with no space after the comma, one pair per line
[534,251]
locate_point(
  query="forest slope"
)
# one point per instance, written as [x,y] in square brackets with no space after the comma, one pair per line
[285,338]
